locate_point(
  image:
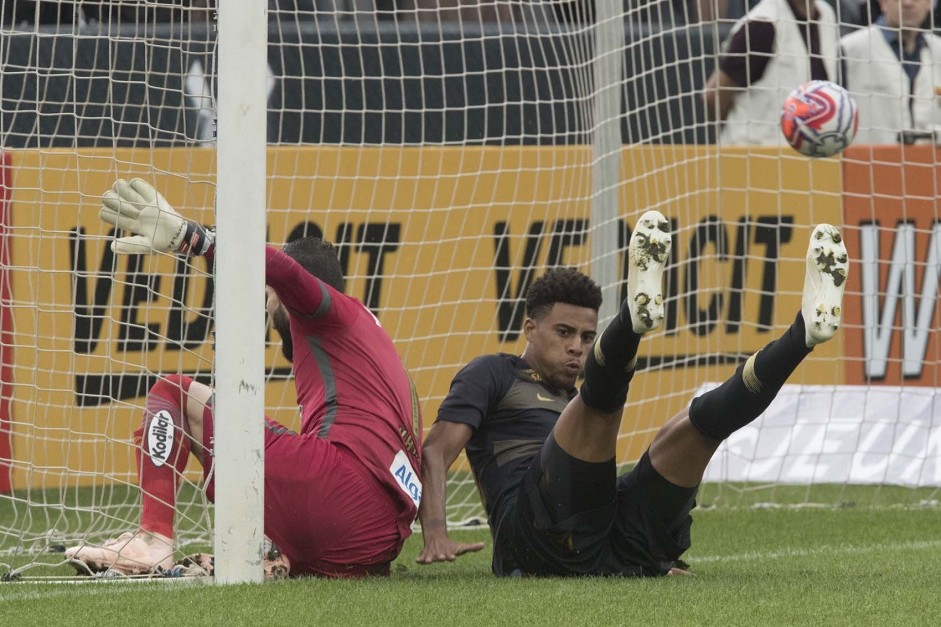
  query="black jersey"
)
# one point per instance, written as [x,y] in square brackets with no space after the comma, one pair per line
[511,413]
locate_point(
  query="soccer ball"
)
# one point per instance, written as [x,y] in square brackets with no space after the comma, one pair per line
[819,119]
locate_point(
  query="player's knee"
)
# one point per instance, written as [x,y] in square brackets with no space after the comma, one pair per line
[706,419]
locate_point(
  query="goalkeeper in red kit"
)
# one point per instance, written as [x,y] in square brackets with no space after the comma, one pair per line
[340,495]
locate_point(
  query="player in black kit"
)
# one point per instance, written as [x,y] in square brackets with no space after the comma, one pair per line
[543,452]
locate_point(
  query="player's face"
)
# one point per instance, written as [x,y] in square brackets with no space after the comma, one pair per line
[905,13]
[558,343]
[272,302]
[280,321]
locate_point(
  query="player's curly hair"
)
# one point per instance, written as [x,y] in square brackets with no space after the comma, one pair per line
[561,285]
[318,257]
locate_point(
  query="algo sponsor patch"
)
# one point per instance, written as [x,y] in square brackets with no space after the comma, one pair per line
[406,477]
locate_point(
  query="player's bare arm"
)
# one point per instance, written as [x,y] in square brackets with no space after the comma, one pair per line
[718,95]
[444,443]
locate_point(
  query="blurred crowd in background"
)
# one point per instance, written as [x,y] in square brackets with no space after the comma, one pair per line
[24,14]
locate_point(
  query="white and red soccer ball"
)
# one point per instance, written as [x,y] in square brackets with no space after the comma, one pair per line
[819,119]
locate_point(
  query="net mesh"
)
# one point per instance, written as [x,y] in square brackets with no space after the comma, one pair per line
[452,154]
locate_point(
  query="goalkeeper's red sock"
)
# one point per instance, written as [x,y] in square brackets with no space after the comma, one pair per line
[163,449]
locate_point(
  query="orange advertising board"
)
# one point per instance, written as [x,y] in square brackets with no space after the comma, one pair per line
[891,200]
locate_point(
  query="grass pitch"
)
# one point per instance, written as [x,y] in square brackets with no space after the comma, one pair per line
[845,565]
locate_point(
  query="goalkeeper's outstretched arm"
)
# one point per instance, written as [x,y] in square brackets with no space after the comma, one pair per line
[300,291]
[718,95]
[156,227]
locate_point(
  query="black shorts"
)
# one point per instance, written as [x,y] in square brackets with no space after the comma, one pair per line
[625,537]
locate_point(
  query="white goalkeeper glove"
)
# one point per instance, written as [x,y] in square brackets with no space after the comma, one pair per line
[137,207]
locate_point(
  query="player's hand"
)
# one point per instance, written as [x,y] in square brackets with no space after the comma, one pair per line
[137,207]
[441,548]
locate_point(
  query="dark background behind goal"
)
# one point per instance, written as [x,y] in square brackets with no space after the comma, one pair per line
[343,83]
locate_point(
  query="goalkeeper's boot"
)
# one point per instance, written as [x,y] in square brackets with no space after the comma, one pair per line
[827,265]
[647,255]
[276,565]
[195,565]
[137,553]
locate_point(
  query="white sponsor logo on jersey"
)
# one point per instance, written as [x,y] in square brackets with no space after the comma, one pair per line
[406,477]
[160,437]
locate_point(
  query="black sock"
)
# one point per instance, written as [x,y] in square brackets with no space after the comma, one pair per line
[610,364]
[722,411]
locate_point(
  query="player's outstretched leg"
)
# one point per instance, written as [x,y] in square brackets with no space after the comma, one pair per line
[129,554]
[647,254]
[610,365]
[825,279]
[163,445]
[748,392]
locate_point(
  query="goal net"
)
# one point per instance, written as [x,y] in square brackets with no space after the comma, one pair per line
[454,155]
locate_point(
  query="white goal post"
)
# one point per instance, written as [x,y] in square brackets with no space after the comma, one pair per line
[453,155]
[239,453]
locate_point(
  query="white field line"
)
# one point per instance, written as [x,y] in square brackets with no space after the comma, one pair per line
[122,586]
[822,550]
[20,590]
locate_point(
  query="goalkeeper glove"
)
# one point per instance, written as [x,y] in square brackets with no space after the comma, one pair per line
[137,207]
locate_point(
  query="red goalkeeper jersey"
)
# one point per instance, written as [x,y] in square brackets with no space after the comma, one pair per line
[351,385]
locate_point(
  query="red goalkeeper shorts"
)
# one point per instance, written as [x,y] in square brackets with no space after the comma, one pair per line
[323,509]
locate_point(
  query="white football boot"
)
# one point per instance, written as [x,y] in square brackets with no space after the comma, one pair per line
[130,553]
[647,255]
[827,266]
